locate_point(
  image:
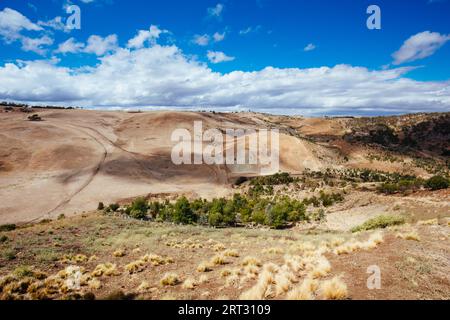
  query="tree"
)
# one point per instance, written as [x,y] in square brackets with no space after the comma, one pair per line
[182,212]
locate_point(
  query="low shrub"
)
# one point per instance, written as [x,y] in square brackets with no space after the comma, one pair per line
[379,222]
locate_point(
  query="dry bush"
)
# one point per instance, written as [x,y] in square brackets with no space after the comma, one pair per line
[74,259]
[119,253]
[428,222]
[105,269]
[189,283]
[218,260]
[413,235]
[204,267]
[143,287]
[305,291]
[231,253]
[170,279]
[274,250]
[322,268]
[135,266]
[251,261]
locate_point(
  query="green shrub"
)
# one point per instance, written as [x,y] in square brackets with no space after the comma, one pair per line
[379,222]
[3,239]
[388,188]
[114,207]
[8,254]
[138,209]
[7,227]
[182,212]
[437,183]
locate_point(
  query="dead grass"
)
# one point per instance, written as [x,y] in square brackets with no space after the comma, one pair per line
[170,279]
[334,289]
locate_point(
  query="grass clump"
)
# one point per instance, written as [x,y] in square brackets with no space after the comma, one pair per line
[170,279]
[204,267]
[379,222]
[334,289]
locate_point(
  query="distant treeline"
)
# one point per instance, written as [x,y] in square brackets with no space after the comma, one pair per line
[27,106]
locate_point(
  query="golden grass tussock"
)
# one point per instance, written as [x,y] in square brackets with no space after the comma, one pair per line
[274,250]
[189,284]
[271,267]
[321,268]
[94,284]
[143,287]
[413,236]
[135,266]
[251,261]
[231,253]
[305,291]
[428,222]
[232,281]
[204,267]
[251,271]
[225,273]
[105,269]
[283,283]
[74,259]
[258,291]
[219,247]
[170,279]
[156,260]
[119,253]
[203,279]
[295,263]
[218,260]
[334,289]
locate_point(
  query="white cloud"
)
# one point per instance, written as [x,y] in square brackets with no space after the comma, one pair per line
[36,44]
[219,36]
[13,22]
[55,23]
[70,46]
[144,36]
[309,47]
[249,30]
[218,57]
[162,76]
[420,46]
[101,46]
[201,40]
[216,11]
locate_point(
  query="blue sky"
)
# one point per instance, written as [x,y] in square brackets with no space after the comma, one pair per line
[240,40]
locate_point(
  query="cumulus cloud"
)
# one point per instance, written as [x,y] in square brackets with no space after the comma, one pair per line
[219,36]
[36,45]
[70,46]
[249,30]
[55,23]
[309,47]
[201,40]
[216,11]
[218,57]
[144,36]
[95,45]
[162,76]
[419,46]
[100,46]
[13,22]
